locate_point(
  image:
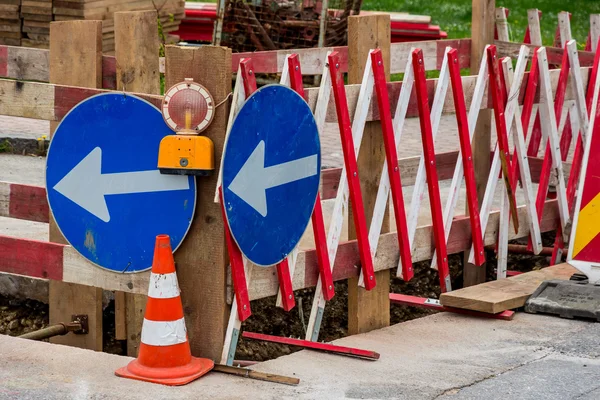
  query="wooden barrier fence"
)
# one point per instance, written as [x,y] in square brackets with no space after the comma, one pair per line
[21,97]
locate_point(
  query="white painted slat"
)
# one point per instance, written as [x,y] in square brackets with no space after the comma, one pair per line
[457,178]
[535,33]
[504,222]
[502,24]
[238,98]
[564,26]
[550,132]
[420,180]
[490,190]
[383,191]
[340,207]
[575,71]
[595,30]
[515,80]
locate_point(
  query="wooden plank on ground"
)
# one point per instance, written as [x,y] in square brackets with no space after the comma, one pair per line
[504,294]
[75,59]
[368,310]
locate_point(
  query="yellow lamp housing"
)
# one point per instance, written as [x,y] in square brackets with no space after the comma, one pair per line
[186,155]
[188,109]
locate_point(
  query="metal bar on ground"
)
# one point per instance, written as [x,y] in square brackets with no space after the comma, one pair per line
[326,347]
[430,169]
[434,304]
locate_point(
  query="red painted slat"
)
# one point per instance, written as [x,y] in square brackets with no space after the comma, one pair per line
[326,347]
[430,168]
[467,156]
[392,163]
[3,61]
[109,72]
[28,203]
[238,273]
[496,90]
[358,210]
[318,223]
[31,258]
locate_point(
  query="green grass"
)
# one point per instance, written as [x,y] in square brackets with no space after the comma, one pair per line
[454,16]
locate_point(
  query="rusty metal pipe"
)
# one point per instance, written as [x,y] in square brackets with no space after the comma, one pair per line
[522,249]
[45,333]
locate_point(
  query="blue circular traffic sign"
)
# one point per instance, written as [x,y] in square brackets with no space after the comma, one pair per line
[271,172]
[104,189]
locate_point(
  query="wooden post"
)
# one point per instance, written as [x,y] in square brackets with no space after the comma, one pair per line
[368,310]
[76,60]
[202,259]
[136,51]
[482,34]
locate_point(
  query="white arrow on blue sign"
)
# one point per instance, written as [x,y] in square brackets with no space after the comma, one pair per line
[271,172]
[104,189]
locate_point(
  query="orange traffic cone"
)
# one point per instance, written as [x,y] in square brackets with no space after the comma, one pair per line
[164,355]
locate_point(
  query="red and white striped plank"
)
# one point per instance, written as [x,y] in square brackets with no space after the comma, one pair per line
[521,165]
[430,168]
[264,283]
[59,262]
[23,202]
[51,102]
[392,180]
[434,304]
[307,344]
[379,209]
[466,128]
[434,118]
[350,145]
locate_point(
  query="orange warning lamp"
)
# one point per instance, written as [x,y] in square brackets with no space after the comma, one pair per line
[188,109]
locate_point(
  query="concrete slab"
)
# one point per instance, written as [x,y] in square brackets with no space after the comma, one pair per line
[443,355]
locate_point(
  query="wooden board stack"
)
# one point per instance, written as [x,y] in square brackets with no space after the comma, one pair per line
[10,22]
[36,23]
[171,12]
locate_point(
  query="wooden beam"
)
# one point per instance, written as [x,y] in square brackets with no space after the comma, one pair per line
[59,262]
[368,310]
[555,54]
[75,59]
[136,50]
[51,102]
[33,64]
[482,34]
[202,257]
[504,294]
